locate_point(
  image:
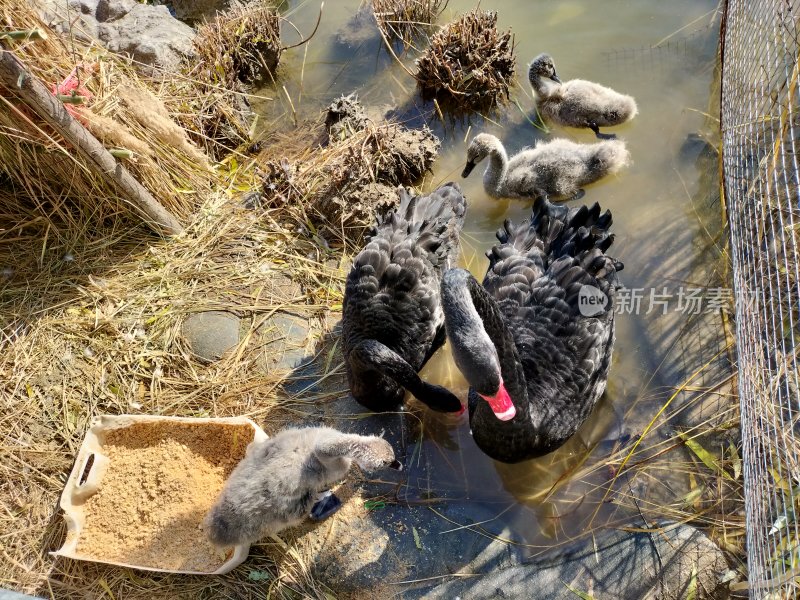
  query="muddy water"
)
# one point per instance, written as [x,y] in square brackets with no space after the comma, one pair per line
[663,53]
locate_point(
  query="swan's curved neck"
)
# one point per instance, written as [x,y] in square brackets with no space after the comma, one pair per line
[480,338]
[370,358]
[544,86]
[495,174]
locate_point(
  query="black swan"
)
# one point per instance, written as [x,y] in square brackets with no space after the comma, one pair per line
[534,342]
[577,103]
[392,320]
[555,168]
[285,479]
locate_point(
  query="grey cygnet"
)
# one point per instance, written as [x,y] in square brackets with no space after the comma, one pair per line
[284,479]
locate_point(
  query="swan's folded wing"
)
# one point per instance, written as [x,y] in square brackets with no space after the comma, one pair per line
[392,296]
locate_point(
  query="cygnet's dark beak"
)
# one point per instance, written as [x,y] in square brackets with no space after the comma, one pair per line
[396,465]
[468,169]
[555,78]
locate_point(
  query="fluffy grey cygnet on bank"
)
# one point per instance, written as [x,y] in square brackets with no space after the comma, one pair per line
[286,478]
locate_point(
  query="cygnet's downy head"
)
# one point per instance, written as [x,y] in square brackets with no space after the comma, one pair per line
[479,148]
[542,66]
[377,454]
[610,157]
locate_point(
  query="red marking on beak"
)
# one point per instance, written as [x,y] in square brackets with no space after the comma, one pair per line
[501,404]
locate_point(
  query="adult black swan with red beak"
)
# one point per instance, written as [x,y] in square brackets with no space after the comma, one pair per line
[534,341]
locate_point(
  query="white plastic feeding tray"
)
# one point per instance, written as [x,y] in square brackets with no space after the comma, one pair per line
[86,479]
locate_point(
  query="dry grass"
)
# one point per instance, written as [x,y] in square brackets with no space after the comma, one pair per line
[101,334]
[239,47]
[406,20]
[47,188]
[469,64]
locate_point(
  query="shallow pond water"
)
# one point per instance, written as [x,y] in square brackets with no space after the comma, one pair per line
[662,53]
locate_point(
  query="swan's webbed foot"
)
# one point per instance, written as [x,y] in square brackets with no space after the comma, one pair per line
[578,195]
[327,504]
[600,136]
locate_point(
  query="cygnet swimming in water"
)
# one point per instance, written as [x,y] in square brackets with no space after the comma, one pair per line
[557,168]
[577,103]
[285,479]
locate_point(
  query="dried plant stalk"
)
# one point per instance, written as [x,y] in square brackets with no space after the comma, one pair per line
[469,63]
[405,20]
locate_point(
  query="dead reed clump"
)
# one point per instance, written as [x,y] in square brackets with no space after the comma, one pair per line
[338,188]
[345,116]
[241,45]
[469,64]
[406,20]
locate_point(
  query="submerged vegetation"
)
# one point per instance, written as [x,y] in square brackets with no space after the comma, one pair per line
[469,64]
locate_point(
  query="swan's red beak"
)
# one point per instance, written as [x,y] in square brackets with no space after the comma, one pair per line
[501,404]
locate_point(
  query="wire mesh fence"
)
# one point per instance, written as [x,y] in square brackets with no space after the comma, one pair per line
[760,121]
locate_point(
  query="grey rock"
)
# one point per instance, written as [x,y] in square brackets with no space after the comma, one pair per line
[696,147]
[211,334]
[197,10]
[111,10]
[288,338]
[663,565]
[149,34]
[73,16]
[9,595]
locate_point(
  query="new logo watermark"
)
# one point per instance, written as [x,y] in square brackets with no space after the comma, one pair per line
[591,301]
[644,301]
